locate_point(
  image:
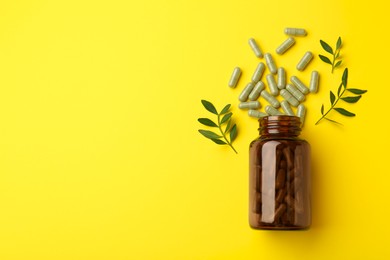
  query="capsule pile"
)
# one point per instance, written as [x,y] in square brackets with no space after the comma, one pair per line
[292,93]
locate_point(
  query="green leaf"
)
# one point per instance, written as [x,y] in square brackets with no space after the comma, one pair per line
[209,106]
[332,97]
[225,109]
[208,122]
[351,99]
[344,112]
[333,121]
[209,134]
[326,47]
[338,64]
[337,55]
[325,59]
[226,117]
[233,133]
[356,91]
[227,126]
[339,89]
[338,44]
[345,77]
[322,109]
[217,141]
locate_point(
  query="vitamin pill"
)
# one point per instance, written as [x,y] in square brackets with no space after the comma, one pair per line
[270,63]
[286,108]
[273,88]
[285,45]
[249,105]
[304,61]
[258,72]
[246,91]
[257,114]
[271,99]
[281,78]
[272,111]
[301,112]
[289,97]
[279,211]
[313,87]
[299,84]
[295,31]
[256,91]
[295,92]
[255,48]
[234,78]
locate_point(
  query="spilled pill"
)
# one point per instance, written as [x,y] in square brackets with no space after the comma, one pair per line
[234,78]
[258,72]
[249,105]
[281,78]
[313,87]
[256,91]
[295,31]
[299,84]
[304,61]
[270,63]
[289,97]
[286,108]
[272,111]
[257,114]
[245,92]
[285,45]
[295,92]
[271,99]
[255,48]
[273,88]
[301,112]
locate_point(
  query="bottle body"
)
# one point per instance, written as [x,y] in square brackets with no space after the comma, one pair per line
[279,182]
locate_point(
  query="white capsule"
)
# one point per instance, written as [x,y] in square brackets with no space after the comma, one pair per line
[245,92]
[314,82]
[273,87]
[258,72]
[304,61]
[295,92]
[286,108]
[281,78]
[257,114]
[272,111]
[301,112]
[234,78]
[249,105]
[256,91]
[299,84]
[295,31]
[289,97]
[255,48]
[271,99]
[285,45]
[270,63]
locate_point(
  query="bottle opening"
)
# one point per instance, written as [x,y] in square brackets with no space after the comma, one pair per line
[280,125]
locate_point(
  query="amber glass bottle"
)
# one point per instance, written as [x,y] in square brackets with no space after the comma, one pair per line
[279,176]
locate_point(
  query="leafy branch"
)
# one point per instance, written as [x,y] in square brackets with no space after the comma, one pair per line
[340,92]
[224,118]
[336,62]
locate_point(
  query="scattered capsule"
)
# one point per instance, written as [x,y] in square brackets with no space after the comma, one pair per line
[255,48]
[285,45]
[286,108]
[234,78]
[258,72]
[245,92]
[270,63]
[299,84]
[257,114]
[271,99]
[314,82]
[281,78]
[273,87]
[301,112]
[254,95]
[289,97]
[295,31]
[295,92]
[249,105]
[304,61]
[272,111]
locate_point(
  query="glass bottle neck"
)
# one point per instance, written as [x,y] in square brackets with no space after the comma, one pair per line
[280,126]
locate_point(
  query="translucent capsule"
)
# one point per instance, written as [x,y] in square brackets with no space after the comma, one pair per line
[270,63]
[245,92]
[258,72]
[271,99]
[286,108]
[272,111]
[295,31]
[301,112]
[299,84]
[273,88]
[234,78]
[285,45]
[295,92]
[249,105]
[313,87]
[304,61]
[289,97]
[281,78]
[256,91]
[255,48]
[257,114]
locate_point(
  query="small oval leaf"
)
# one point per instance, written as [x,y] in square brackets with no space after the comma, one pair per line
[332,97]
[326,47]
[322,109]
[356,91]
[226,117]
[345,77]
[209,106]
[227,126]
[233,133]
[351,99]
[209,134]
[330,120]
[217,141]
[338,44]
[338,64]
[208,122]
[325,59]
[344,112]
[225,109]
[339,89]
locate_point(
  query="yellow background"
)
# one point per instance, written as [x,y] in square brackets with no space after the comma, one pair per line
[100,157]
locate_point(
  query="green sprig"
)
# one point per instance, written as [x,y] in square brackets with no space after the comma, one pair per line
[224,124]
[336,61]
